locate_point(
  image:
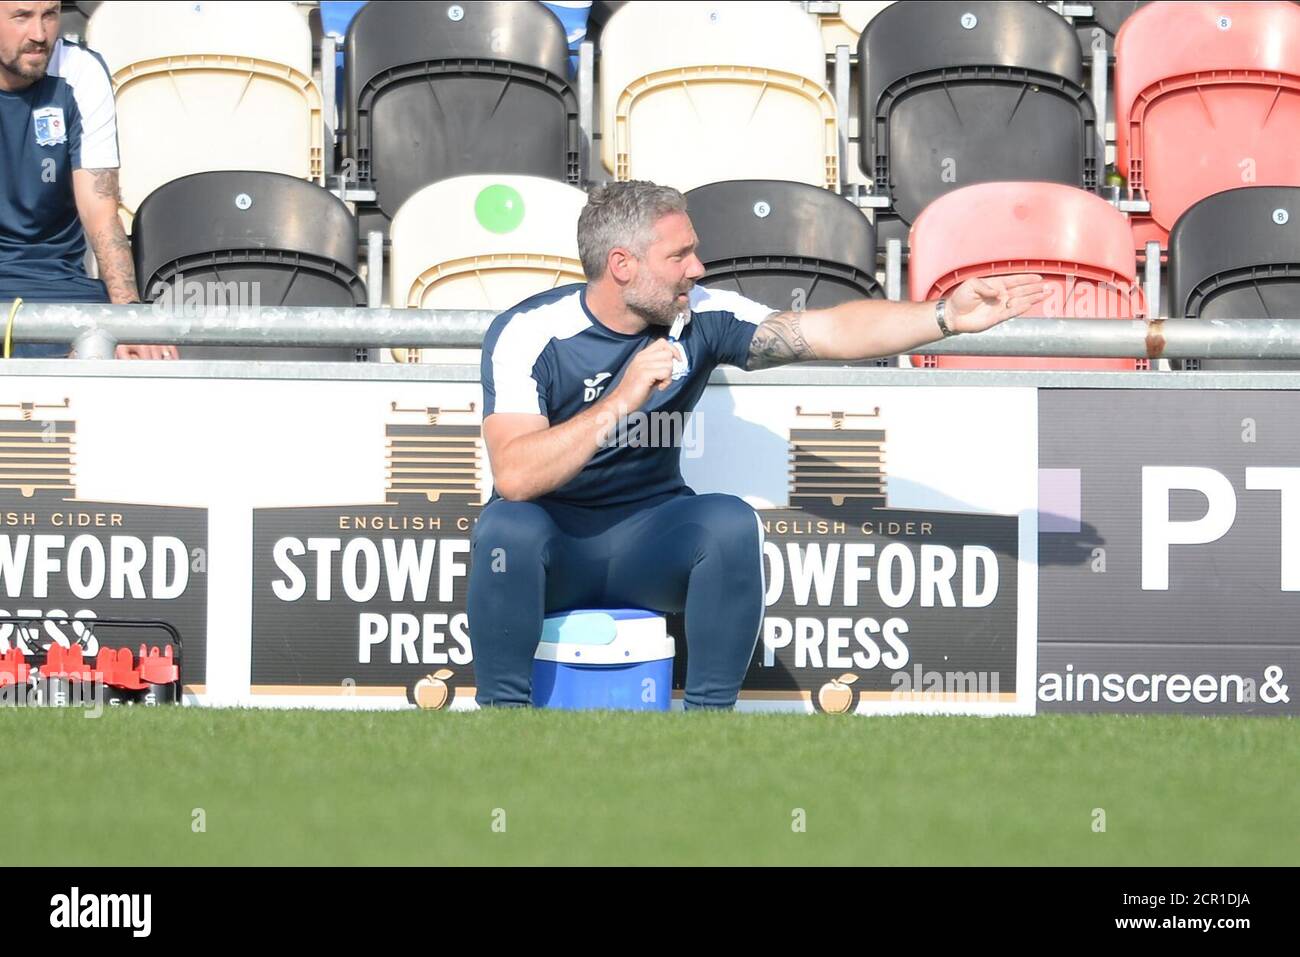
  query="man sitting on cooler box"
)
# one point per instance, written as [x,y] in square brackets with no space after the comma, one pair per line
[582,517]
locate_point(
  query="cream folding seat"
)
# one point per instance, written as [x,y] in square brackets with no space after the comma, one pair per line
[482,242]
[694,93]
[209,86]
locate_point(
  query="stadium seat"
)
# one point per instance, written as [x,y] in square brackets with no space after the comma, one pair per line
[1236,255]
[1218,109]
[957,94]
[250,237]
[694,93]
[786,245]
[439,90]
[198,88]
[1077,241]
[483,242]
[844,26]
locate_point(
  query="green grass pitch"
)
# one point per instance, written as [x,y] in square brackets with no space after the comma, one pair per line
[524,787]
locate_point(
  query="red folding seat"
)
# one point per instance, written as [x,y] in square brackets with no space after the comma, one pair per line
[978,92]
[1207,98]
[1078,243]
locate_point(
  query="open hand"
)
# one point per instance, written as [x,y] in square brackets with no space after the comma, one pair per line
[979,304]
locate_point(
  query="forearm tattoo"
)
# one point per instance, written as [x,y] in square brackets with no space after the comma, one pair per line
[779,341]
[112,248]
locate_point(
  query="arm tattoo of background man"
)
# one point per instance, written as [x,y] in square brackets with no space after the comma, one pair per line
[105,182]
[112,248]
[778,341]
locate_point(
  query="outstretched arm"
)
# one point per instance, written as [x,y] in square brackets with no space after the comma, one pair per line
[866,328]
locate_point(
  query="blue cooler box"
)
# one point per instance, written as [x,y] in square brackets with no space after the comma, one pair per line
[608,658]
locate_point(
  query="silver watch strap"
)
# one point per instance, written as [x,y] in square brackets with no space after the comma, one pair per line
[940,312]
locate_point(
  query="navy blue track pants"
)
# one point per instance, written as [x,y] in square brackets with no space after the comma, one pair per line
[701,554]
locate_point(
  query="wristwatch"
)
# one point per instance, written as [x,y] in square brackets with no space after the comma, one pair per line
[940,311]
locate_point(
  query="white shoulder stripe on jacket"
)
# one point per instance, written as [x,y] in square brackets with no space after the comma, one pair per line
[522,341]
[92,88]
[724,300]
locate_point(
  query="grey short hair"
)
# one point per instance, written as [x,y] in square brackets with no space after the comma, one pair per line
[622,214]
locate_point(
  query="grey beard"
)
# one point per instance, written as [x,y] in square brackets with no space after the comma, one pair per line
[656,317]
[661,313]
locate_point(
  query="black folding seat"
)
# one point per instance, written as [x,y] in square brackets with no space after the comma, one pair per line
[957,94]
[786,245]
[436,90]
[1236,255]
[248,238]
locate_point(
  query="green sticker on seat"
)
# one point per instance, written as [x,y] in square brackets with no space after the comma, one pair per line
[499,208]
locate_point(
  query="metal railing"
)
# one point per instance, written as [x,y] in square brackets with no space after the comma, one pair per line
[95,331]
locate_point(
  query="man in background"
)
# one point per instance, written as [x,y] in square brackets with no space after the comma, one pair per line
[58,174]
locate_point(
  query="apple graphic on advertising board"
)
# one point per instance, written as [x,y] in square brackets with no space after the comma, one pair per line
[836,697]
[431,691]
